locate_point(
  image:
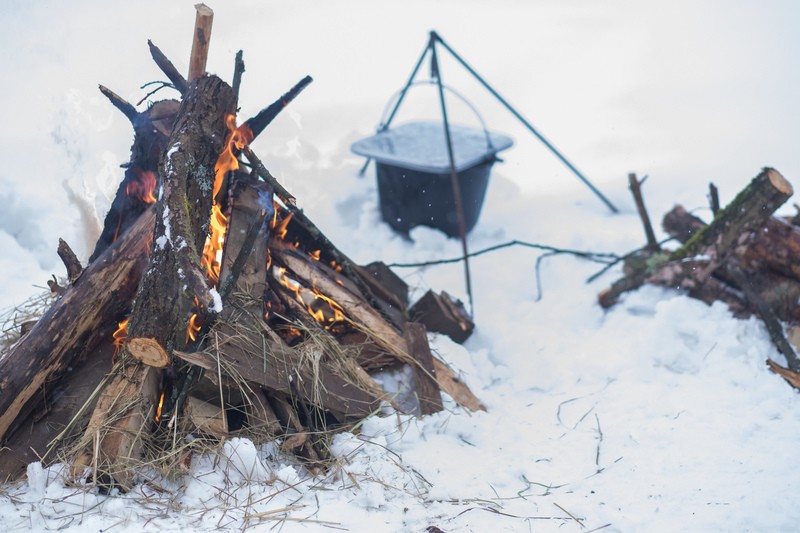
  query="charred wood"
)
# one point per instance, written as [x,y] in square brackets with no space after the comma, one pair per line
[166,66]
[443,314]
[138,188]
[174,284]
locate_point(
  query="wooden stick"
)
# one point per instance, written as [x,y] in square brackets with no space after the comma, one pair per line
[120,103]
[70,260]
[636,189]
[773,325]
[238,70]
[713,198]
[285,196]
[200,41]
[258,123]
[168,68]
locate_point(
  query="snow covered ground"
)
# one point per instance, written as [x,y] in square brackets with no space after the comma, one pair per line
[658,415]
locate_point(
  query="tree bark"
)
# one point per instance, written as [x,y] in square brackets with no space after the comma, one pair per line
[85,315]
[166,297]
[732,227]
[774,248]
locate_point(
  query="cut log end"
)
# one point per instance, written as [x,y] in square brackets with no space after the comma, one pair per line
[148,351]
[779,182]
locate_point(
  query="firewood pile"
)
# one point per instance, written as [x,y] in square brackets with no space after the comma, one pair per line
[745,256]
[211,307]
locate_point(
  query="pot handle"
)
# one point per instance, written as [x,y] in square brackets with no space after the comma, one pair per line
[383,126]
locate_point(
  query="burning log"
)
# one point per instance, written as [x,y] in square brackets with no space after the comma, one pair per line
[136,193]
[174,288]
[370,322]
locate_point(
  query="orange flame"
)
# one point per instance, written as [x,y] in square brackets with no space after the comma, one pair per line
[238,138]
[322,308]
[226,162]
[160,405]
[281,229]
[120,335]
[195,323]
[142,186]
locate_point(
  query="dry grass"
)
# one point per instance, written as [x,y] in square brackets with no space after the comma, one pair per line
[11,319]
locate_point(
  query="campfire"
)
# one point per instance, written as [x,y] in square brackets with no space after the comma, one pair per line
[212,307]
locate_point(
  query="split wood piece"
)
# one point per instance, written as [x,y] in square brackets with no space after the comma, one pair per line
[248,356]
[246,238]
[139,186]
[309,234]
[85,315]
[390,291]
[166,66]
[732,227]
[374,325]
[443,314]
[296,438]
[206,417]
[247,411]
[793,378]
[70,260]
[635,186]
[201,41]
[115,439]
[430,399]
[389,282]
[370,356]
[65,401]
[262,422]
[775,247]
[167,292]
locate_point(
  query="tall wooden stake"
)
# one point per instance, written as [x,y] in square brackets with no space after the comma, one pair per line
[200,41]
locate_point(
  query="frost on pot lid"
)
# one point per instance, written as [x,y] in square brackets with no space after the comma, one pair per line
[422,146]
